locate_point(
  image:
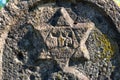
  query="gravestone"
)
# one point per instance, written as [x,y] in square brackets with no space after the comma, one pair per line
[60,40]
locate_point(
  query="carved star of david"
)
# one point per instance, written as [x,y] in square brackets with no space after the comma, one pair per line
[62,43]
[61,38]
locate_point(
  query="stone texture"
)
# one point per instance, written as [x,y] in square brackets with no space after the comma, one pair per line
[60,40]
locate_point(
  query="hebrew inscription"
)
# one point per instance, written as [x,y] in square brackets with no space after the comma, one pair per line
[65,37]
[60,42]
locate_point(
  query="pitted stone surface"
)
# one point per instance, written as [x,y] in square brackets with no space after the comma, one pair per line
[59,41]
[62,42]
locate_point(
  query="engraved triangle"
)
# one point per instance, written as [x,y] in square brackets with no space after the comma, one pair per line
[61,18]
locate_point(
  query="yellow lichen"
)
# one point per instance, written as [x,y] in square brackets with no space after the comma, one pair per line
[108,46]
[59,77]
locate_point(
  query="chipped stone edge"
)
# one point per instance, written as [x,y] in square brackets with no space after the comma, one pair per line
[74,71]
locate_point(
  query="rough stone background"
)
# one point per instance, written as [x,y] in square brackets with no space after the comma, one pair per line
[20,43]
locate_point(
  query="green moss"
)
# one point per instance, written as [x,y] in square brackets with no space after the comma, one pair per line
[105,43]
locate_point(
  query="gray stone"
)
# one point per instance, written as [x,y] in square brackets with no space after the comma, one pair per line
[60,40]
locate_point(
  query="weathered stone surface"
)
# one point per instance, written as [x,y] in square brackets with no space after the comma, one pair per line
[60,40]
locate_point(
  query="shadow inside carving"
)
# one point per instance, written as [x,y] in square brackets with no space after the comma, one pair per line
[54,19]
[76,61]
[33,43]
